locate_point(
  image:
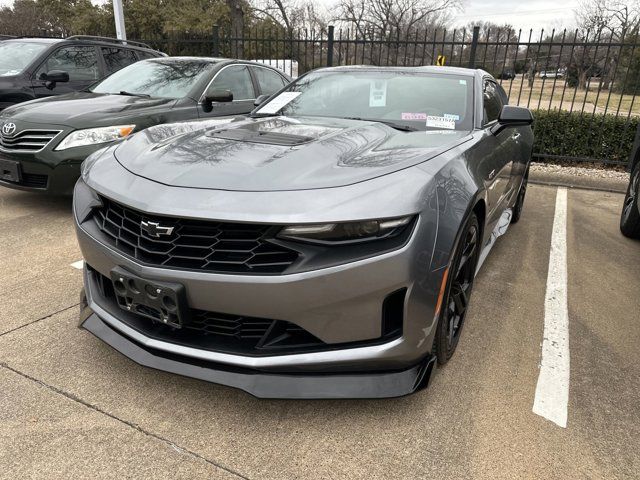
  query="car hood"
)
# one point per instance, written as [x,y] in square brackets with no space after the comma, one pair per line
[85,109]
[279,153]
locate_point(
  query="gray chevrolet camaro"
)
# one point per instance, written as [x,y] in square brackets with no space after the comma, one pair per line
[324,247]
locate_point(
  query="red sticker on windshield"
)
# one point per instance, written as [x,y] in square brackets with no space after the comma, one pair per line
[414,116]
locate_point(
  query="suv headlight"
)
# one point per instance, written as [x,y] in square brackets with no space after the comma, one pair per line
[94,136]
[344,233]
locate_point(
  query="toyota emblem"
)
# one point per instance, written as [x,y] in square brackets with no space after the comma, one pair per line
[8,129]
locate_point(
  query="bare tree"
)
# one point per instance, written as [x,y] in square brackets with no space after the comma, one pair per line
[394,15]
[603,20]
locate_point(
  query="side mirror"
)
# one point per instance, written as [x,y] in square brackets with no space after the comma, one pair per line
[215,96]
[54,76]
[511,116]
[260,100]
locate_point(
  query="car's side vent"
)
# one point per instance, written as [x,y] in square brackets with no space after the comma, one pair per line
[393,313]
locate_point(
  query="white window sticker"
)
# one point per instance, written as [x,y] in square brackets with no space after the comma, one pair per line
[452,116]
[278,103]
[378,93]
[463,82]
[441,122]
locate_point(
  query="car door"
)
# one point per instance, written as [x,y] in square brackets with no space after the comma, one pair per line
[79,61]
[238,80]
[498,150]
[269,81]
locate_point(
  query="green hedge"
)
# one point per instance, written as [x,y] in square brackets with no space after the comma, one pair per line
[591,136]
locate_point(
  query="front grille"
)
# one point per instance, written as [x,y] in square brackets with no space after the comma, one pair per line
[216,331]
[193,244]
[28,141]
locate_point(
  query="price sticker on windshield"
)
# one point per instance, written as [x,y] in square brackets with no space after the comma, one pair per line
[278,103]
[441,122]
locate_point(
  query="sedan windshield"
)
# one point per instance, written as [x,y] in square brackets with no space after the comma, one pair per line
[15,56]
[170,78]
[405,99]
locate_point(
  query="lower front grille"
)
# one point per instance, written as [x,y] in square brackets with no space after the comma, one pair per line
[32,180]
[216,331]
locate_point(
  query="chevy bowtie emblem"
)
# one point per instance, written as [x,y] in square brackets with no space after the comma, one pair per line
[154,229]
[8,129]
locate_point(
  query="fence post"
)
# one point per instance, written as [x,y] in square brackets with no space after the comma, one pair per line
[215,33]
[330,46]
[474,47]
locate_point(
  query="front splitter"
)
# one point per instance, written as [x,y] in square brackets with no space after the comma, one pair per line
[270,385]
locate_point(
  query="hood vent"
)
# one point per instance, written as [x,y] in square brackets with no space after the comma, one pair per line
[269,138]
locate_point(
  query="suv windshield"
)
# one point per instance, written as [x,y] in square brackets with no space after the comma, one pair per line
[420,101]
[15,56]
[168,78]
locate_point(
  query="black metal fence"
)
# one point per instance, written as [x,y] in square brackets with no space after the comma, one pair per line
[583,87]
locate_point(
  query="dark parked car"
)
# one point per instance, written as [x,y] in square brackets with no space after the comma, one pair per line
[630,219]
[325,247]
[43,142]
[41,67]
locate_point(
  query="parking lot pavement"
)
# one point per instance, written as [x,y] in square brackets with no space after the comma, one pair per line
[72,406]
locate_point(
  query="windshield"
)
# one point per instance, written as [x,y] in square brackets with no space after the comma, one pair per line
[15,56]
[421,101]
[164,79]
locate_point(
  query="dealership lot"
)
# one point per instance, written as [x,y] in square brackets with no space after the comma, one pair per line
[71,406]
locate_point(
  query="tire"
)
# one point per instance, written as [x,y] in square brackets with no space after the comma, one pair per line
[517,208]
[630,218]
[458,291]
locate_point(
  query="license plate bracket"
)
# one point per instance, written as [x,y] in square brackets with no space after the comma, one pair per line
[10,170]
[163,302]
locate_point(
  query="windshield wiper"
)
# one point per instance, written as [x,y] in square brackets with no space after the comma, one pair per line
[397,126]
[131,94]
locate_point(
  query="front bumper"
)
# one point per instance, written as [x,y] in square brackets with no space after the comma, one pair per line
[50,171]
[263,384]
[340,305]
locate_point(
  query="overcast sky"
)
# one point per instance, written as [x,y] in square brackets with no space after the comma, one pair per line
[523,14]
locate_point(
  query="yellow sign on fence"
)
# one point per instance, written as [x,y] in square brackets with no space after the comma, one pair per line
[441,60]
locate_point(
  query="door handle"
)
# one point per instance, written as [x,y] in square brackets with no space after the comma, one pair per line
[515,136]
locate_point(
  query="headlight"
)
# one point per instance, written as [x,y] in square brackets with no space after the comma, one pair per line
[94,136]
[340,233]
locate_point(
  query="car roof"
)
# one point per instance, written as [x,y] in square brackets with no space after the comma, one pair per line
[34,40]
[103,41]
[467,72]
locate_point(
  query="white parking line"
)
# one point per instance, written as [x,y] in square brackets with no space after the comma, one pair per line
[79,264]
[552,391]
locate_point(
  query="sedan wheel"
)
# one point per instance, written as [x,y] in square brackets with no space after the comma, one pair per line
[458,291]
[630,219]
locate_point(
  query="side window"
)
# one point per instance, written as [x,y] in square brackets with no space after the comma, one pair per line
[492,102]
[117,58]
[268,80]
[237,79]
[81,63]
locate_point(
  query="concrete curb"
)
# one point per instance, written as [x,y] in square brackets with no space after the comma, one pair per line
[611,185]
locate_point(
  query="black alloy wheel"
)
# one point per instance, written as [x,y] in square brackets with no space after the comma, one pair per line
[630,219]
[455,301]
